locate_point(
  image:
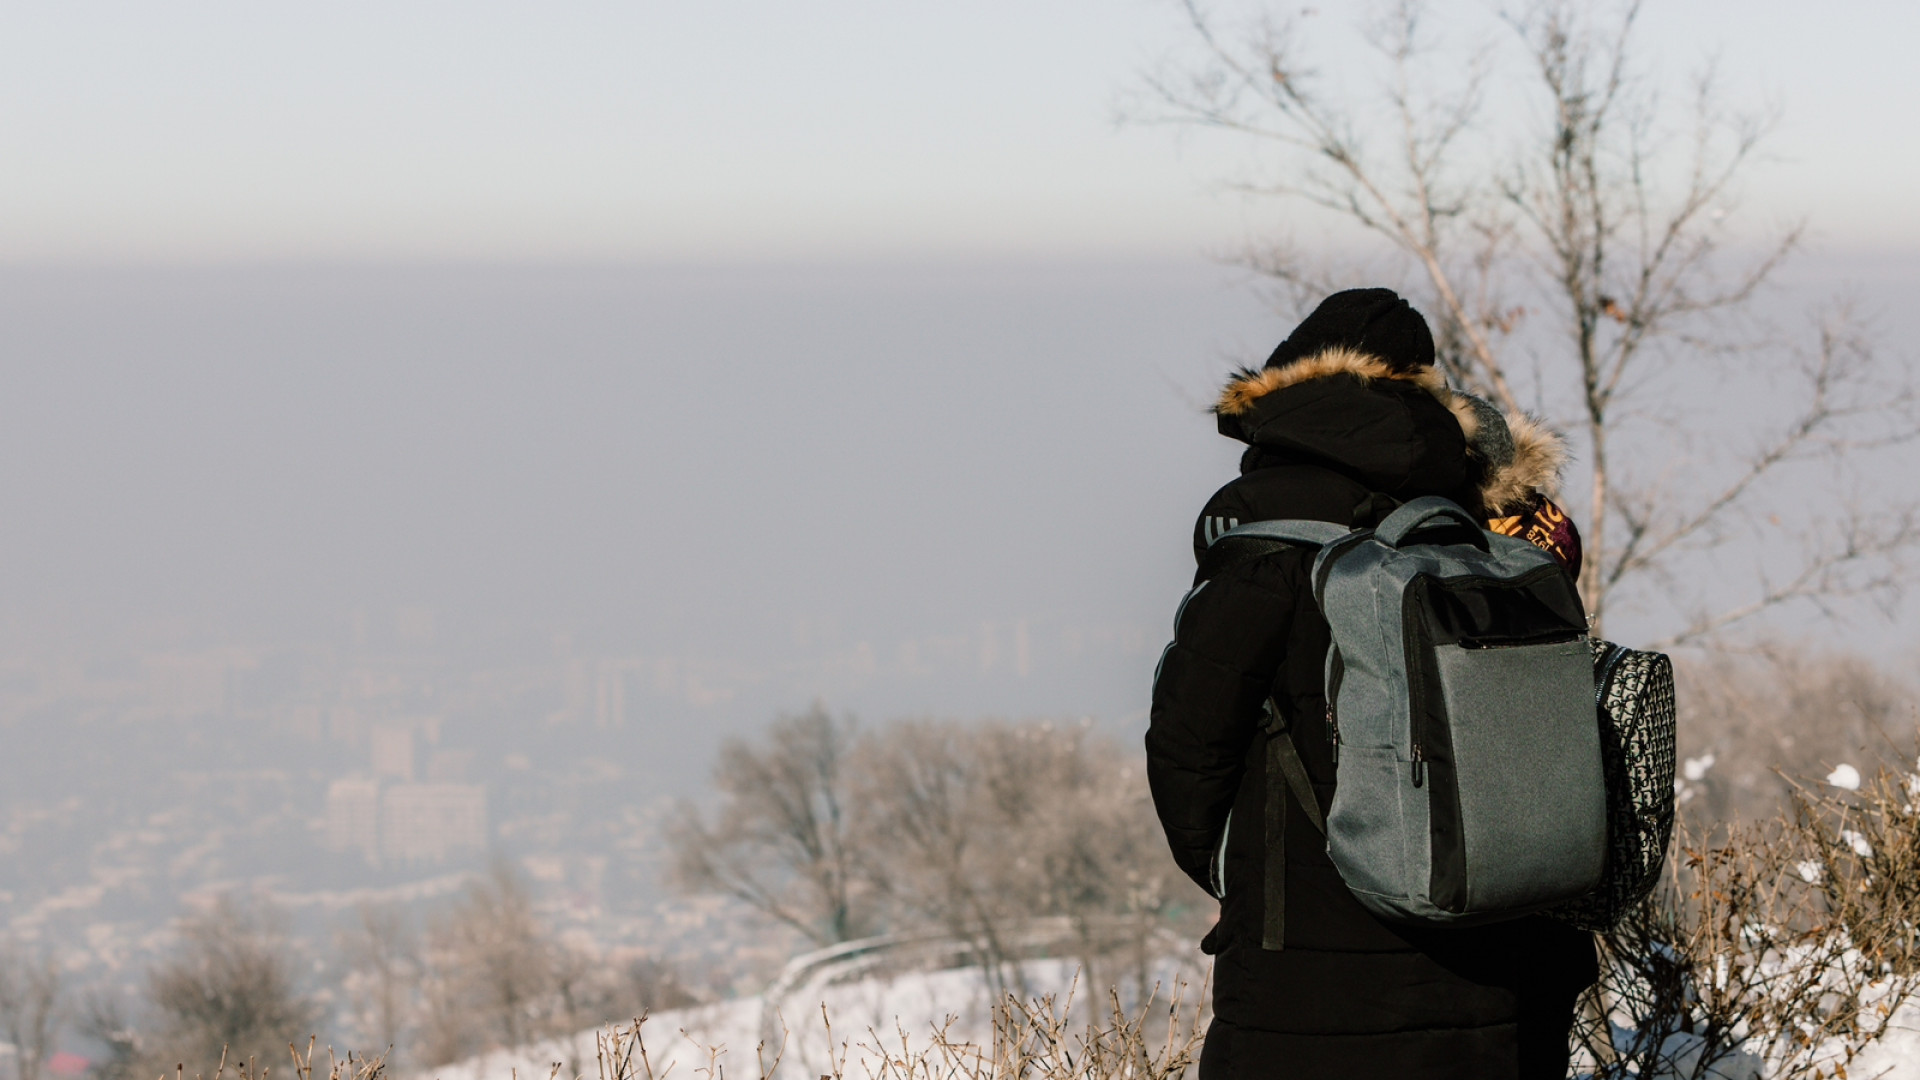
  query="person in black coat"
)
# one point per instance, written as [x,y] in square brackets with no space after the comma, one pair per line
[1347,410]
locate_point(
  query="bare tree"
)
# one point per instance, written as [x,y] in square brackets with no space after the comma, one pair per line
[780,844]
[230,983]
[648,984]
[29,1008]
[1614,219]
[989,826]
[1751,719]
[385,962]
[974,830]
[923,782]
[447,1029]
[1075,834]
[103,1019]
[1112,861]
[493,974]
[491,971]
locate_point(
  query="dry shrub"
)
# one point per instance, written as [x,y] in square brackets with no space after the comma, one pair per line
[1034,1039]
[1784,945]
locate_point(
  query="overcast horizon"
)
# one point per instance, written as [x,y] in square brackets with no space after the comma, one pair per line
[217,131]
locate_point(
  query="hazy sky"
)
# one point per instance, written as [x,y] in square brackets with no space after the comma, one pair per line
[751,129]
[711,439]
[900,491]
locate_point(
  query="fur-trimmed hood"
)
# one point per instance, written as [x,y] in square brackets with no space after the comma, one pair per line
[1304,407]
[1532,467]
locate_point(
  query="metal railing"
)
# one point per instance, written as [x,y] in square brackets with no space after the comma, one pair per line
[805,977]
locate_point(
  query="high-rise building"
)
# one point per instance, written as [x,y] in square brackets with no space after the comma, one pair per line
[392,750]
[610,697]
[353,816]
[432,822]
[190,684]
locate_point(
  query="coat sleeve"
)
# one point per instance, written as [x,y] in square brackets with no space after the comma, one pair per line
[1228,643]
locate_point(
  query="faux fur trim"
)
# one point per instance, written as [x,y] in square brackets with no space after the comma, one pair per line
[1538,453]
[1538,456]
[1248,385]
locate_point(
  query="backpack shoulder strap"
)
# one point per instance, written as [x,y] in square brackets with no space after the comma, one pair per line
[1294,770]
[1285,773]
[1305,533]
[1255,539]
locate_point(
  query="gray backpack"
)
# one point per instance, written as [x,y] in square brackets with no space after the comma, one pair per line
[1460,708]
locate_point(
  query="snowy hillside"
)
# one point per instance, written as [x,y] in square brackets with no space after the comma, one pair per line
[893,1013]
[867,1014]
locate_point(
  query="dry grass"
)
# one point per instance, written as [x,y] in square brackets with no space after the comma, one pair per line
[1036,1038]
[351,1067]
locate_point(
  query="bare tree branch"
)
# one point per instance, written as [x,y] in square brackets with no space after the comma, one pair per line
[1610,213]
[1865,560]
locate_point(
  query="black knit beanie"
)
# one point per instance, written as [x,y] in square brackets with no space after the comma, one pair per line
[1375,321]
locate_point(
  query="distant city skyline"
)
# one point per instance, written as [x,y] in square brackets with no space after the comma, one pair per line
[744,130]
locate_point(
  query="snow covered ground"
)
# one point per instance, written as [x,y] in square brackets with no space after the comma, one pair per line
[1895,1055]
[866,1014]
[884,1011]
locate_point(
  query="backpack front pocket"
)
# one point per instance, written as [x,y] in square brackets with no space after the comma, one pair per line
[1519,811]
[1369,820]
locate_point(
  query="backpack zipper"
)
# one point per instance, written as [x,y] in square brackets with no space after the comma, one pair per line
[1337,676]
[1413,639]
[1488,644]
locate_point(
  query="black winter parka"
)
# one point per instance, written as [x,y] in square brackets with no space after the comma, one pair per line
[1349,996]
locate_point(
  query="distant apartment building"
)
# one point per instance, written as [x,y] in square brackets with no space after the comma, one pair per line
[432,822]
[353,816]
[391,747]
[610,695]
[191,684]
[406,822]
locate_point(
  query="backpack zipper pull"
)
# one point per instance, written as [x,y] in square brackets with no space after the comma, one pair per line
[1419,765]
[1333,734]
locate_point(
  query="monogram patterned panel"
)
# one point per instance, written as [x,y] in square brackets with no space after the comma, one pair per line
[1637,744]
